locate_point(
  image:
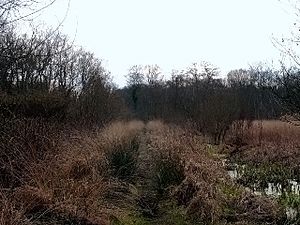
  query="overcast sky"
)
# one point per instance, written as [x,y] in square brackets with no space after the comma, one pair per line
[174,33]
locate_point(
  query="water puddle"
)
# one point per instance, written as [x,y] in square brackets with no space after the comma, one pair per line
[289,187]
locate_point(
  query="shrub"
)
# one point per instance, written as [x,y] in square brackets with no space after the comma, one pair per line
[35,105]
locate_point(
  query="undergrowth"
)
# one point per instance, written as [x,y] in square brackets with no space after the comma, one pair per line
[129,173]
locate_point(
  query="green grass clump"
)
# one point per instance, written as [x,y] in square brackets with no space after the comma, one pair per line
[290,200]
[231,193]
[170,214]
[133,219]
[230,190]
[148,205]
[122,160]
[174,215]
[168,172]
[259,176]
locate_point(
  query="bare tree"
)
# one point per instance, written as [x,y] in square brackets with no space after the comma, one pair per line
[288,78]
[135,76]
[12,11]
[153,75]
[288,90]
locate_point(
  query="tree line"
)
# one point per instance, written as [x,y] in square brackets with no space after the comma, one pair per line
[199,96]
[44,75]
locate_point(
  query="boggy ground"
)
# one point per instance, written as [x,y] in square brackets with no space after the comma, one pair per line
[133,173]
[265,156]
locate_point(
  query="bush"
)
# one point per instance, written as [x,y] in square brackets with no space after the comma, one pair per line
[35,105]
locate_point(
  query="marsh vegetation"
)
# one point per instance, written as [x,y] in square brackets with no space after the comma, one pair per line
[190,147]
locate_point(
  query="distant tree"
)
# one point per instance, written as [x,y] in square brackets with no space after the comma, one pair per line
[153,75]
[153,97]
[135,76]
[288,90]
[176,91]
[238,78]
[135,80]
[254,88]
[202,71]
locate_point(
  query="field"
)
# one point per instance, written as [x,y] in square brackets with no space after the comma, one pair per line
[153,173]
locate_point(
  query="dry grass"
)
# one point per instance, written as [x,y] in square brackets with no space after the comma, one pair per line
[72,184]
[68,182]
[204,190]
[191,149]
[24,142]
[9,215]
[271,141]
[274,131]
[120,132]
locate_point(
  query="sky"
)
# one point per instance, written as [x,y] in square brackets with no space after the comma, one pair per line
[230,34]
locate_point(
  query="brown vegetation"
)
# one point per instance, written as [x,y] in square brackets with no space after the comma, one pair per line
[267,141]
[68,155]
[206,191]
[73,182]
[69,182]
